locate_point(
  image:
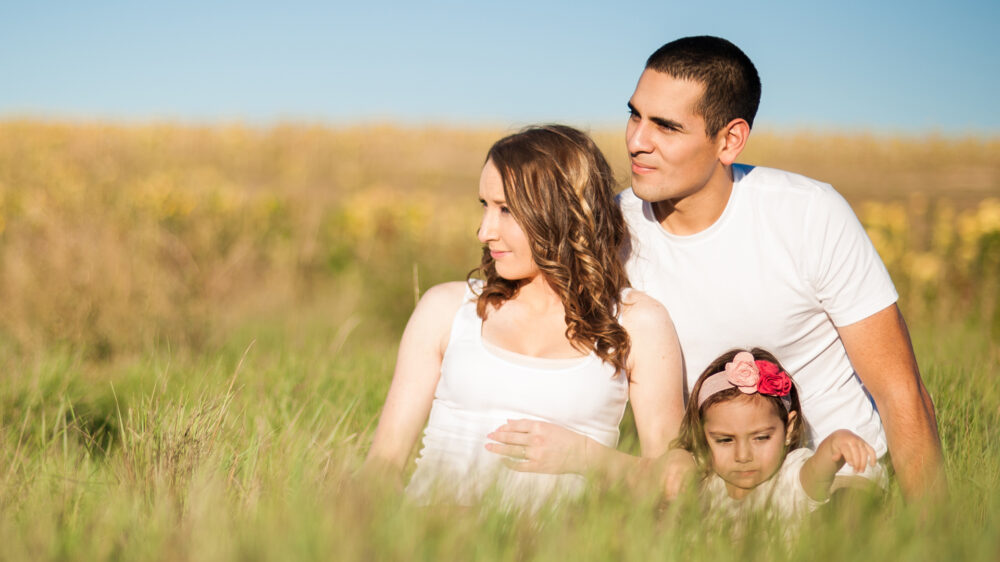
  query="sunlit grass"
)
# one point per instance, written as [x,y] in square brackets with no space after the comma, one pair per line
[199,326]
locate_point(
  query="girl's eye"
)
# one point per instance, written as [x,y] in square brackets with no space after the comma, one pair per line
[505,210]
[762,437]
[724,440]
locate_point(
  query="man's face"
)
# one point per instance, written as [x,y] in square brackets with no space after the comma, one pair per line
[672,156]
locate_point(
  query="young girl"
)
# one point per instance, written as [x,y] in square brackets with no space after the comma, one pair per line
[550,333]
[743,425]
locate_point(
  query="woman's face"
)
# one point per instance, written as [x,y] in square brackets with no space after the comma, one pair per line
[747,440]
[500,232]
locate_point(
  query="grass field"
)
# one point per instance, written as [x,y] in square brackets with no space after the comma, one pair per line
[198,327]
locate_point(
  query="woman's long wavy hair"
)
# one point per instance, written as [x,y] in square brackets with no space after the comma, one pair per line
[561,191]
[691,436]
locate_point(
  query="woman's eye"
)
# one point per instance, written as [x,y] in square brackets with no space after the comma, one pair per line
[724,440]
[505,210]
[762,437]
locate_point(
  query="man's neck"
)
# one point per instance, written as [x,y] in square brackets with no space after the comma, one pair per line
[696,212]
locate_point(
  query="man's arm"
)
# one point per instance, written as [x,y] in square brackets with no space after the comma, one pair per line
[880,350]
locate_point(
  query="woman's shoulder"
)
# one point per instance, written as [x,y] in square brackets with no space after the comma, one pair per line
[641,311]
[448,295]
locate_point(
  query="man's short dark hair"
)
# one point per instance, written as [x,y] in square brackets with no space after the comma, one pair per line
[732,86]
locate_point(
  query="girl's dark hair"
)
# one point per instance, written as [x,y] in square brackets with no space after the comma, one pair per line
[561,191]
[691,436]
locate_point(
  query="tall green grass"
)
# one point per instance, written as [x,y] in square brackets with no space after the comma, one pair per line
[251,451]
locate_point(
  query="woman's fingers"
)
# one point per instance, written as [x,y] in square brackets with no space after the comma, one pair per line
[513,451]
[510,437]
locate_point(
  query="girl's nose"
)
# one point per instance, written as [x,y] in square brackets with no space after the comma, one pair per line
[743,452]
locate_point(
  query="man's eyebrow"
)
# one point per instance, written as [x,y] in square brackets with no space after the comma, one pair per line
[667,123]
[660,121]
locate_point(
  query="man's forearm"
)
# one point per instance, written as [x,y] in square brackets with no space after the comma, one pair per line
[915,448]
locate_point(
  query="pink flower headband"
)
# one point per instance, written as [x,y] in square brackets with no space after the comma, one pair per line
[750,376]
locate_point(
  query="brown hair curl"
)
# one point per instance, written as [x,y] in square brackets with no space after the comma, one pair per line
[560,190]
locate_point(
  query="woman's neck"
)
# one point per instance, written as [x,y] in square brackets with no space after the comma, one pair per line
[538,295]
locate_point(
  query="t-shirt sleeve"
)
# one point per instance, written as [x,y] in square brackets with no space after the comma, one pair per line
[846,272]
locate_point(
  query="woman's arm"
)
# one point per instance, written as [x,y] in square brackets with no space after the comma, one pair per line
[840,447]
[418,368]
[655,390]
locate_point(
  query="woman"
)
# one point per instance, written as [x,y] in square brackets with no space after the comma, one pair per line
[551,333]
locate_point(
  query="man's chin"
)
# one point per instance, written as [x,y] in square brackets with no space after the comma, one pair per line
[645,190]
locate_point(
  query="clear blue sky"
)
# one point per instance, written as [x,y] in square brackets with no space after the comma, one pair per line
[883,66]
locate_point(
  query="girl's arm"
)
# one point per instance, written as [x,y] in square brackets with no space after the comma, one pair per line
[842,446]
[418,368]
[655,391]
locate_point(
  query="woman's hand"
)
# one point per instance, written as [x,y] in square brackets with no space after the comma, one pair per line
[676,468]
[537,446]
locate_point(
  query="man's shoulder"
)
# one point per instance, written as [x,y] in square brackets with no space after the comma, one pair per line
[772,180]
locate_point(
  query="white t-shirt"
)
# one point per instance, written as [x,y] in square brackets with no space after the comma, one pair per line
[785,264]
[782,496]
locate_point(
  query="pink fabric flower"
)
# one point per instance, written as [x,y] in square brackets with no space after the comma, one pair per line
[742,372]
[772,381]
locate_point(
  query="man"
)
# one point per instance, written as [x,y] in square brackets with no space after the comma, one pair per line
[753,257]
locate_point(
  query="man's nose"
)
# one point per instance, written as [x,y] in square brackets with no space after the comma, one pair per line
[637,138]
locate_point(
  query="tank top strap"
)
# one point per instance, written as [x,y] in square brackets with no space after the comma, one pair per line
[467,324]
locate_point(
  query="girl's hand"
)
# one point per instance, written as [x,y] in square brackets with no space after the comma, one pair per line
[537,446]
[848,447]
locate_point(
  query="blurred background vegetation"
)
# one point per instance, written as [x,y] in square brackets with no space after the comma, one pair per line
[198,326]
[117,238]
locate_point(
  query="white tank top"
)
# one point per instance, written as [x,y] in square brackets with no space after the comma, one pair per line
[480,389]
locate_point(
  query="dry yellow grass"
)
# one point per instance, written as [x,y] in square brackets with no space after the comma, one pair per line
[117,237]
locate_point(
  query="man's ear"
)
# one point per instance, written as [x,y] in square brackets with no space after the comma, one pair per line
[793,419]
[732,140]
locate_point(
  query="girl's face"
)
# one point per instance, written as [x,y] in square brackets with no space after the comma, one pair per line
[747,441]
[499,230]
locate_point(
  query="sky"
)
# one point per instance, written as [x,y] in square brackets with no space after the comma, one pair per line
[893,66]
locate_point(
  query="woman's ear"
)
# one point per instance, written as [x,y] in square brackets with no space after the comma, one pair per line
[793,419]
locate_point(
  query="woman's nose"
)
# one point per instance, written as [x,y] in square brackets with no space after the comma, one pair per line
[487,229]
